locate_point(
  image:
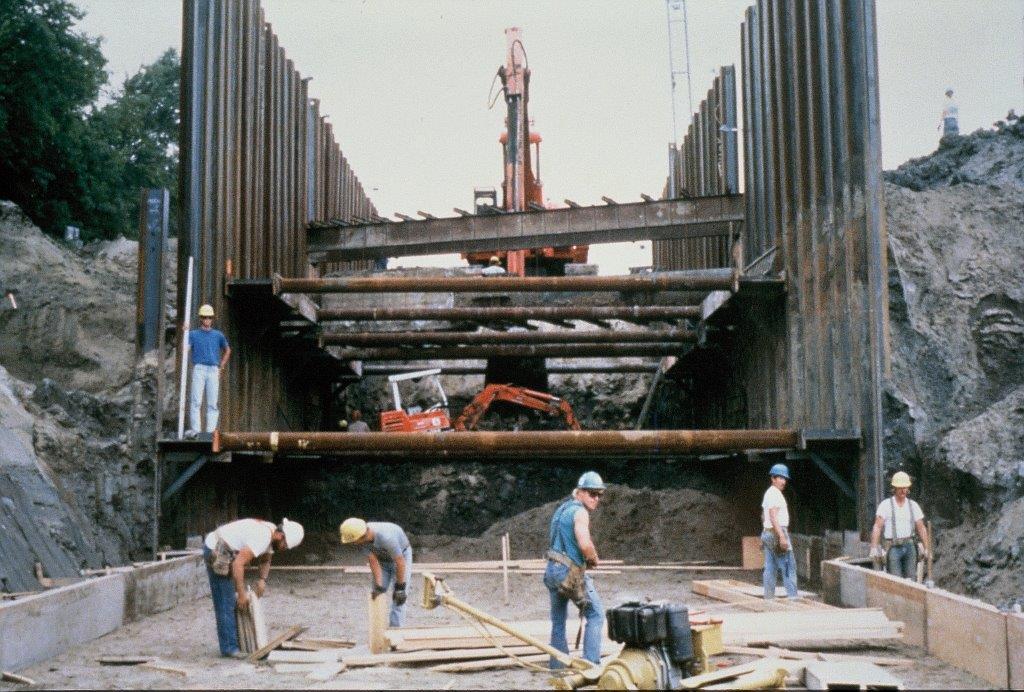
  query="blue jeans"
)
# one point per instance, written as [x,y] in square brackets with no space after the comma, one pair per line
[205,378]
[593,614]
[775,563]
[901,560]
[389,574]
[222,590]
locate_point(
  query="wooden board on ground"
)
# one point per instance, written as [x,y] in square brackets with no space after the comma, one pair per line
[978,647]
[806,625]
[317,644]
[466,636]
[282,656]
[379,609]
[404,658]
[608,650]
[753,554]
[290,633]
[775,652]
[1015,649]
[846,675]
[161,667]
[8,676]
[750,596]
[123,660]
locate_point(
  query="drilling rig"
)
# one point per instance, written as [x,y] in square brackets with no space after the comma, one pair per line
[522,190]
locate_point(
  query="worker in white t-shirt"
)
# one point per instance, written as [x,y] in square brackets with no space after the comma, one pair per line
[778,550]
[228,551]
[899,517]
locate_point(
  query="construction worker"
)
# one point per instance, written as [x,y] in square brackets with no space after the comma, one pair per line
[950,121]
[358,425]
[494,268]
[571,550]
[227,552]
[389,555]
[899,516]
[778,549]
[210,353]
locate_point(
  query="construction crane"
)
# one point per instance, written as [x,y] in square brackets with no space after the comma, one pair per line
[522,189]
[520,396]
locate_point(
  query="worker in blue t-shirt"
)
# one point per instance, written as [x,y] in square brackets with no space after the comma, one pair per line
[210,353]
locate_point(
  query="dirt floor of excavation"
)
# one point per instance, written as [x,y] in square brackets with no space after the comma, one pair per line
[332,604]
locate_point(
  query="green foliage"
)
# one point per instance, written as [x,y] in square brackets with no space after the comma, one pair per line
[62,159]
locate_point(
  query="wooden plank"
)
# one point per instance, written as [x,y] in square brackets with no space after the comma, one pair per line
[379,609]
[695,681]
[608,649]
[435,656]
[325,671]
[317,645]
[968,634]
[8,676]
[160,667]
[1015,649]
[809,625]
[290,633]
[847,675]
[753,555]
[282,656]
[750,596]
[901,600]
[790,654]
[123,660]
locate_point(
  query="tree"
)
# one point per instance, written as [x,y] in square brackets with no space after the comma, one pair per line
[139,129]
[49,76]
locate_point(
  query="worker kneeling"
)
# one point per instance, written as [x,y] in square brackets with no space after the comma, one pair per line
[228,551]
[571,551]
[389,555]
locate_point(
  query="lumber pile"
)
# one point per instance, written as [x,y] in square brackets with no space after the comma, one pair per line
[751,596]
[809,626]
[252,626]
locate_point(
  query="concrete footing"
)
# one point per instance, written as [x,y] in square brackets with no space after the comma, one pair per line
[36,628]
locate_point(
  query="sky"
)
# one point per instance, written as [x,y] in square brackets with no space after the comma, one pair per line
[405,85]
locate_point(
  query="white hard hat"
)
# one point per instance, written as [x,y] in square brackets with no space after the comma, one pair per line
[293,532]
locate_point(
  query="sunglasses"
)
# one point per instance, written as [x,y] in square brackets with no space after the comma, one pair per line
[595,493]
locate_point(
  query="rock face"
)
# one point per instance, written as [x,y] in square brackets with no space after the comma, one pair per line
[954,415]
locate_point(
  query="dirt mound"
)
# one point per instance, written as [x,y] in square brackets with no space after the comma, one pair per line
[986,157]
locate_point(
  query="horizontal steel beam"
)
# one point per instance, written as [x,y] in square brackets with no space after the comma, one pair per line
[707,280]
[615,350]
[541,337]
[657,220]
[631,442]
[640,313]
[374,370]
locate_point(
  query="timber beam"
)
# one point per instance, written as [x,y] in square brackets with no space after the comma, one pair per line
[627,442]
[629,313]
[705,280]
[656,220]
[575,350]
[417,338]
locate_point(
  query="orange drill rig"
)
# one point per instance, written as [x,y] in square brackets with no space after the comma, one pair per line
[521,396]
[521,189]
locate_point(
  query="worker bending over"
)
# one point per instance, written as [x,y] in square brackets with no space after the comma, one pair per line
[778,549]
[227,552]
[571,551]
[389,555]
[899,516]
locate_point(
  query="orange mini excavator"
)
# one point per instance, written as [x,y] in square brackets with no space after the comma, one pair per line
[521,396]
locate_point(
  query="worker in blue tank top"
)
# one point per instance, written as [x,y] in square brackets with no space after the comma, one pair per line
[571,551]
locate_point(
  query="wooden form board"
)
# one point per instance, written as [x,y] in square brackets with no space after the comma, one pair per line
[848,675]
[969,634]
[750,596]
[379,609]
[1015,650]
[807,625]
[753,555]
[901,600]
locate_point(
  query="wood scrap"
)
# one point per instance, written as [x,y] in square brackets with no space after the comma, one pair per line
[325,671]
[695,681]
[436,656]
[791,654]
[283,656]
[7,676]
[290,633]
[379,609]
[608,650]
[317,644]
[161,667]
[124,660]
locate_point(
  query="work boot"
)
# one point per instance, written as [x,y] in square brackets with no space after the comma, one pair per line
[238,654]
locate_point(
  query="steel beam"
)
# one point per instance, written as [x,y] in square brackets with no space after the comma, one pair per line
[640,313]
[707,280]
[374,370]
[658,220]
[415,338]
[522,351]
[628,442]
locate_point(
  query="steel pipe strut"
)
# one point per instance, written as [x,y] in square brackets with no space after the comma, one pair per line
[708,280]
[521,351]
[650,313]
[633,442]
[547,337]
[371,370]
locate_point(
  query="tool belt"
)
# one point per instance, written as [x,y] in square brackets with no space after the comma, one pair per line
[573,587]
[220,558]
[893,542]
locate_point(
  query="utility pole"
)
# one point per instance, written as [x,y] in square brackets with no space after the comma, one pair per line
[678,66]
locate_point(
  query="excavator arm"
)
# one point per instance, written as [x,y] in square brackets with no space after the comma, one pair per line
[520,396]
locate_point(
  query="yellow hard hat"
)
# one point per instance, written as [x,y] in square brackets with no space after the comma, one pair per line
[206,310]
[352,529]
[900,479]
[495,259]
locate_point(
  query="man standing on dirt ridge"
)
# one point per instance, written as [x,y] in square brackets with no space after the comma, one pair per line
[210,353]
[389,555]
[899,516]
[778,549]
[570,551]
[227,551]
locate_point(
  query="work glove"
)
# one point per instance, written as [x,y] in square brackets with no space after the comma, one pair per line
[591,562]
[377,591]
[399,596]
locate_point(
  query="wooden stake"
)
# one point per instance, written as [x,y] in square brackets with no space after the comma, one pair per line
[379,610]
[505,550]
[291,633]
